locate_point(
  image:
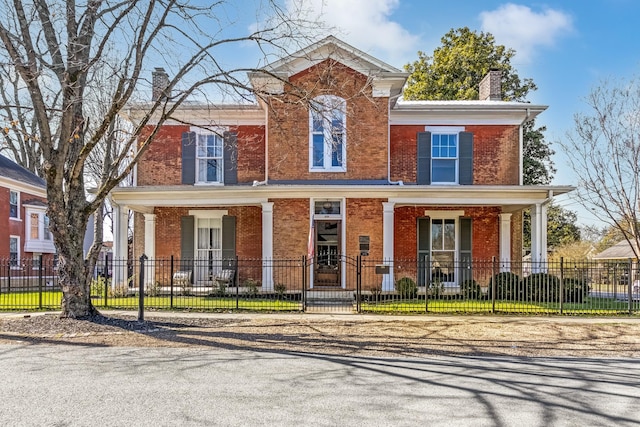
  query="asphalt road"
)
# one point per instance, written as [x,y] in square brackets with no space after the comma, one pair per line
[59,385]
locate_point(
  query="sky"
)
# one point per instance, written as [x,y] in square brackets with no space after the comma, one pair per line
[566,47]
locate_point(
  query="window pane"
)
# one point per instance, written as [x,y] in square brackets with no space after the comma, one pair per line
[318,150]
[47,233]
[213,170]
[442,269]
[443,170]
[34,226]
[449,235]
[327,207]
[336,150]
[436,234]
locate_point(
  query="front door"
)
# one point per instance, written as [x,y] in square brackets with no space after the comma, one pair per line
[327,264]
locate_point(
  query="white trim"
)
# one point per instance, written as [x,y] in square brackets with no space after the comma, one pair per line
[329,104]
[388,230]
[505,241]
[40,244]
[208,213]
[433,214]
[441,130]
[267,246]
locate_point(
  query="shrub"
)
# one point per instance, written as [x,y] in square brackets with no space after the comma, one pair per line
[252,287]
[280,289]
[507,286]
[471,289]
[575,290]
[376,291]
[97,286]
[541,287]
[407,288]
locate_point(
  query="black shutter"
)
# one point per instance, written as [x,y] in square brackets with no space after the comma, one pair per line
[187,232]
[424,244]
[465,164]
[465,250]
[230,158]
[228,241]
[188,157]
[423,168]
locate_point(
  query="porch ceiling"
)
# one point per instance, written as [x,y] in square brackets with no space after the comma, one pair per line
[511,198]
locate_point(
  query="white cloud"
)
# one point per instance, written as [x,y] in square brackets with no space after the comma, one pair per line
[524,30]
[367,25]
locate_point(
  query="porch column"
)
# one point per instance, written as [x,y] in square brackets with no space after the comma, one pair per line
[505,241]
[120,244]
[536,237]
[150,246]
[388,209]
[267,246]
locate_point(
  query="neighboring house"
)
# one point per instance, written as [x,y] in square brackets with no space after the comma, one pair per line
[24,225]
[619,260]
[334,150]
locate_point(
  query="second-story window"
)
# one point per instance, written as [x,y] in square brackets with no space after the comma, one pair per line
[444,158]
[13,205]
[209,158]
[327,134]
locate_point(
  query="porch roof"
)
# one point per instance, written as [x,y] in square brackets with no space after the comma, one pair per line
[510,197]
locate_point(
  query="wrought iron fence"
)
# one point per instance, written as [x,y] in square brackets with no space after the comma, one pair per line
[358,284]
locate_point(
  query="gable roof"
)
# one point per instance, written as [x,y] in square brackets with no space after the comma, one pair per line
[12,170]
[331,48]
[621,250]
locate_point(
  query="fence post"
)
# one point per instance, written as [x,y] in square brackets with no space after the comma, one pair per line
[236,282]
[304,283]
[40,278]
[493,284]
[561,296]
[630,287]
[427,282]
[143,258]
[105,273]
[171,283]
[358,282]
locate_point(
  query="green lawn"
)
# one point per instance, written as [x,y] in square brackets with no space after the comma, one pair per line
[590,306]
[51,300]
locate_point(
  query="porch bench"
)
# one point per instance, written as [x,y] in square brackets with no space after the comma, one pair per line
[224,277]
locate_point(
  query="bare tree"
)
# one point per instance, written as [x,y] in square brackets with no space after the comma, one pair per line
[55,49]
[604,152]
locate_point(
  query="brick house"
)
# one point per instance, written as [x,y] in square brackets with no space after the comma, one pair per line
[333,154]
[24,225]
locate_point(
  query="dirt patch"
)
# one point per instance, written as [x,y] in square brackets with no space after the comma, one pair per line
[359,335]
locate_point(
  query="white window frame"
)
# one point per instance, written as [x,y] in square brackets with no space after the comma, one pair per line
[17,193]
[442,216]
[327,106]
[446,130]
[44,242]
[17,261]
[202,272]
[206,134]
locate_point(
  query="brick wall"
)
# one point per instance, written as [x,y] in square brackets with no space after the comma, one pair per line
[366,124]
[364,218]
[495,154]
[161,164]
[290,227]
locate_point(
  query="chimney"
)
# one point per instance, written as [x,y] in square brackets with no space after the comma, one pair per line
[491,87]
[159,83]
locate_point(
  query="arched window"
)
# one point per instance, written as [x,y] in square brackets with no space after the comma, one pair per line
[327,134]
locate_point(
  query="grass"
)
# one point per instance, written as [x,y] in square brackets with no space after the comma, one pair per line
[590,306]
[51,300]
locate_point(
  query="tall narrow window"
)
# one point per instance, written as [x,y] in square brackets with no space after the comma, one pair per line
[14,254]
[13,204]
[327,145]
[34,233]
[209,158]
[443,249]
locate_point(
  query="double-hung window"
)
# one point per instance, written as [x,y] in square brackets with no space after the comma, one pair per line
[209,158]
[14,212]
[327,134]
[37,237]
[444,156]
